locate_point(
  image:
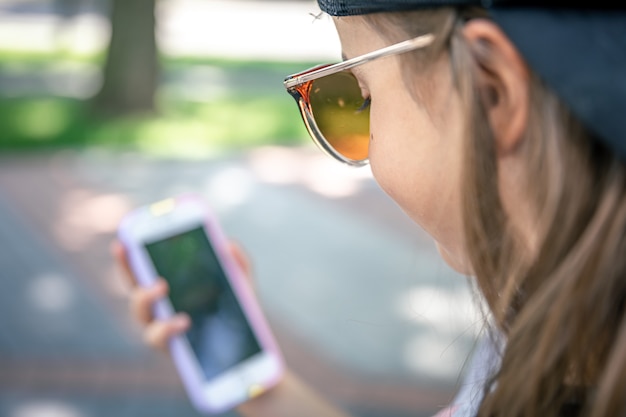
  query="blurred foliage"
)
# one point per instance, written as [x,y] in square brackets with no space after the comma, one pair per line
[183,130]
[236,118]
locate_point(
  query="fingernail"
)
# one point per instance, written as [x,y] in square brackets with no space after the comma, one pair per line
[160,286]
[181,321]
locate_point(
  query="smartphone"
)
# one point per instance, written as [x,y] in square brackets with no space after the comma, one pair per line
[229,354]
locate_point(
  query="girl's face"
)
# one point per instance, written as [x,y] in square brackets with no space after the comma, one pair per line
[416,138]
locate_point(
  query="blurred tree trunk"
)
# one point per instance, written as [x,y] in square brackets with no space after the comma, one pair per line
[131,70]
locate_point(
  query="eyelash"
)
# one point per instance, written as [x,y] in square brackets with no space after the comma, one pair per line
[365,105]
[367,101]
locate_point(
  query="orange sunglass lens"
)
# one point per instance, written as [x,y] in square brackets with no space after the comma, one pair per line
[341,114]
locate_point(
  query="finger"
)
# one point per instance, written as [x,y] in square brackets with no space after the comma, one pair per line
[158,333]
[119,254]
[142,299]
[242,259]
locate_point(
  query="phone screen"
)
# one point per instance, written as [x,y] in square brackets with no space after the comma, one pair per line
[219,334]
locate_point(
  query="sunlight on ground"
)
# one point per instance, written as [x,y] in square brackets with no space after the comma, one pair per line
[445,315]
[453,310]
[315,171]
[267,30]
[200,83]
[85,34]
[51,293]
[429,355]
[85,215]
[46,409]
[230,187]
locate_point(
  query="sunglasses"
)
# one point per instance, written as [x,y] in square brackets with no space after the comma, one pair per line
[332,107]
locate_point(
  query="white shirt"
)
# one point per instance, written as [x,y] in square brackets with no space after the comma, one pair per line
[483,364]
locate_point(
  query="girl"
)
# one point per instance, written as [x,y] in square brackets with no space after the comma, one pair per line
[499,130]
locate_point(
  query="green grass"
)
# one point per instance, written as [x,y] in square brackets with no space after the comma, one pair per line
[183,129]
[47,58]
[232,121]
[168,62]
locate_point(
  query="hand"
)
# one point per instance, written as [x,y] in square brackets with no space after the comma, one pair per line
[158,332]
[291,396]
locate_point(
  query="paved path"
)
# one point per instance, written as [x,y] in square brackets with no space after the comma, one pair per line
[363,307]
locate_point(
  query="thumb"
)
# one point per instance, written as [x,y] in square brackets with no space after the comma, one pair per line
[242,260]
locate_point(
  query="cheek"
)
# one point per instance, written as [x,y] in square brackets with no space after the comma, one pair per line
[404,156]
[417,164]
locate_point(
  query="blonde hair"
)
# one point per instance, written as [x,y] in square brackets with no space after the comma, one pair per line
[561,309]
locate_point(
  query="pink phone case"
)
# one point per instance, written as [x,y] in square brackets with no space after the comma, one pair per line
[189,371]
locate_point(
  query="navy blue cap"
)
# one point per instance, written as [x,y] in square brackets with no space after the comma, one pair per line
[579,52]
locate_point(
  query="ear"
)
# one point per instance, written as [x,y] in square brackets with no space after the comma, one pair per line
[503,82]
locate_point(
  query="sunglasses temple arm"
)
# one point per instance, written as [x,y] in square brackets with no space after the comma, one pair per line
[398,48]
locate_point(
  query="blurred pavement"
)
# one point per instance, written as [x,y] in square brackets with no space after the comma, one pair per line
[360,301]
[362,305]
